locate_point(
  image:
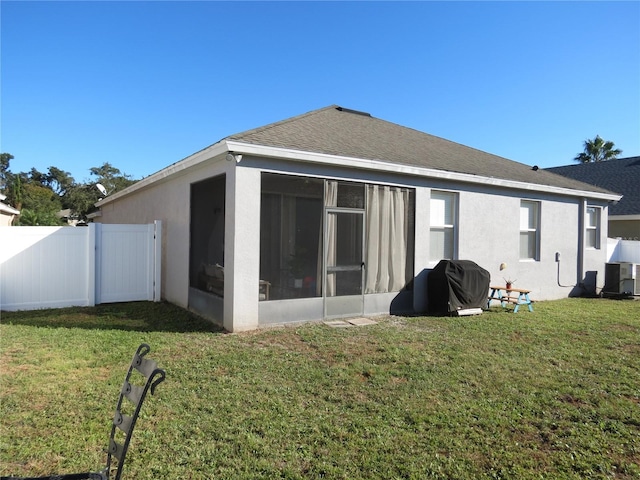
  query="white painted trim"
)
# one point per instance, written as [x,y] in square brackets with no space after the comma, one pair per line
[10,210]
[624,217]
[180,166]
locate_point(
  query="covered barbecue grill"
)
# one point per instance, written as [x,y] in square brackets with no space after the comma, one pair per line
[456,285]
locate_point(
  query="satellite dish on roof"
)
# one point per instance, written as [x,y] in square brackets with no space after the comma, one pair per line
[103,190]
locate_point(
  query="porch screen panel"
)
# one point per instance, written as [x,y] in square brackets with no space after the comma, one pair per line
[290,233]
[270,233]
[206,249]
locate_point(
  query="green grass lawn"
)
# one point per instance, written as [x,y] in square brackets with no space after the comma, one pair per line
[550,394]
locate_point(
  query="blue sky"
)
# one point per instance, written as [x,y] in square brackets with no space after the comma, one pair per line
[144,84]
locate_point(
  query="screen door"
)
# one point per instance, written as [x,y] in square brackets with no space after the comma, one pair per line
[344,263]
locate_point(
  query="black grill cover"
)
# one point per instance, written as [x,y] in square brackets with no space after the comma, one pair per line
[457,284]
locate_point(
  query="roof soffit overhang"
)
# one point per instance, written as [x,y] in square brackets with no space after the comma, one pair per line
[224,146]
[388,167]
[177,168]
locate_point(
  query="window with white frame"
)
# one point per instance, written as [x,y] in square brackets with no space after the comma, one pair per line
[592,227]
[529,230]
[442,226]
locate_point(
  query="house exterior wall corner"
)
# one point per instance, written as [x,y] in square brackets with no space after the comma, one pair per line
[242,253]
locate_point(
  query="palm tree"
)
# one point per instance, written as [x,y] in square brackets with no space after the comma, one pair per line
[597,150]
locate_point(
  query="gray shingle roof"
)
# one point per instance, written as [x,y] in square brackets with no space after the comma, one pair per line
[337,131]
[621,176]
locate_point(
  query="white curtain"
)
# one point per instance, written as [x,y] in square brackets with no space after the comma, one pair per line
[386,232]
[330,200]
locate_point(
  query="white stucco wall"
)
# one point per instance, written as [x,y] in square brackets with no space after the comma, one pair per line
[242,251]
[5,220]
[421,257]
[488,232]
[169,201]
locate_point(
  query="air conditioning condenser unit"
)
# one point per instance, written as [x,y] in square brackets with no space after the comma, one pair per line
[622,277]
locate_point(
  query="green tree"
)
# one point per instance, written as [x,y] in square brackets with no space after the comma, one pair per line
[36,176]
[14,189]
[55,179]
[598,150]
[29,218]
[5,160]
[41,204]
[41,195]
[59,180]
[111,178]
[80,198]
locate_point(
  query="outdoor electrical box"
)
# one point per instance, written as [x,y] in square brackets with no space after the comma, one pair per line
[622,278]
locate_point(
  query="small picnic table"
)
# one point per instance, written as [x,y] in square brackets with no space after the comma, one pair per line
[517,296]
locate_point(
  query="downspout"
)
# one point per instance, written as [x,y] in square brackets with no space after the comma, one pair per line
[581,242]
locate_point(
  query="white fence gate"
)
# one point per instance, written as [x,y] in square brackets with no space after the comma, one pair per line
[50,267]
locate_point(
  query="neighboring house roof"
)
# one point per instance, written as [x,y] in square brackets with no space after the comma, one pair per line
[336,135]
[6,209]
[621,176]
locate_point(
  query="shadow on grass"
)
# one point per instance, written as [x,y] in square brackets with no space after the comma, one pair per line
[131,316]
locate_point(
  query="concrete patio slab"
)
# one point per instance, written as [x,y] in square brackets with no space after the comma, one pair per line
[337,323]
[361,321]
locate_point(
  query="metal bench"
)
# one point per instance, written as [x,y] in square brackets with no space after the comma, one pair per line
[124,421]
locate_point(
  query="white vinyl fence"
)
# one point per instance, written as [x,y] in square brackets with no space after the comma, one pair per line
[619,250]
[50,267]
